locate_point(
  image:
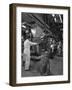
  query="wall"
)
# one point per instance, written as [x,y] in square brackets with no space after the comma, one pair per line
[4,45]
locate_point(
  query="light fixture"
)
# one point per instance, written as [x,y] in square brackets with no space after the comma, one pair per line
[33,31]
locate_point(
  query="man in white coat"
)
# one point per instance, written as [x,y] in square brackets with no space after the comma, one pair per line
[27,44]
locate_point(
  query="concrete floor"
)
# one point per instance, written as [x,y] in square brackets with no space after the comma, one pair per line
[56,67]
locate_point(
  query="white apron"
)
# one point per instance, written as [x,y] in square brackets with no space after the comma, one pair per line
[27,45]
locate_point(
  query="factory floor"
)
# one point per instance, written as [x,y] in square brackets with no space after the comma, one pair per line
[55,67]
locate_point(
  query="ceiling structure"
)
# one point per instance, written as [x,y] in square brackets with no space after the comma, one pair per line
[50,23]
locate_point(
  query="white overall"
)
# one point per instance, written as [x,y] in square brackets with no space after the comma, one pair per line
[27,45]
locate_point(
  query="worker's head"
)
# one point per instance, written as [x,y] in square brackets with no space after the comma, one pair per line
[28,37]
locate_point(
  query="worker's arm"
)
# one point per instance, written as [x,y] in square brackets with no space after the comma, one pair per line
[33,43]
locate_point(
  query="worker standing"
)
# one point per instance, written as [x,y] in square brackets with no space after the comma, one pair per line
[27,44]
